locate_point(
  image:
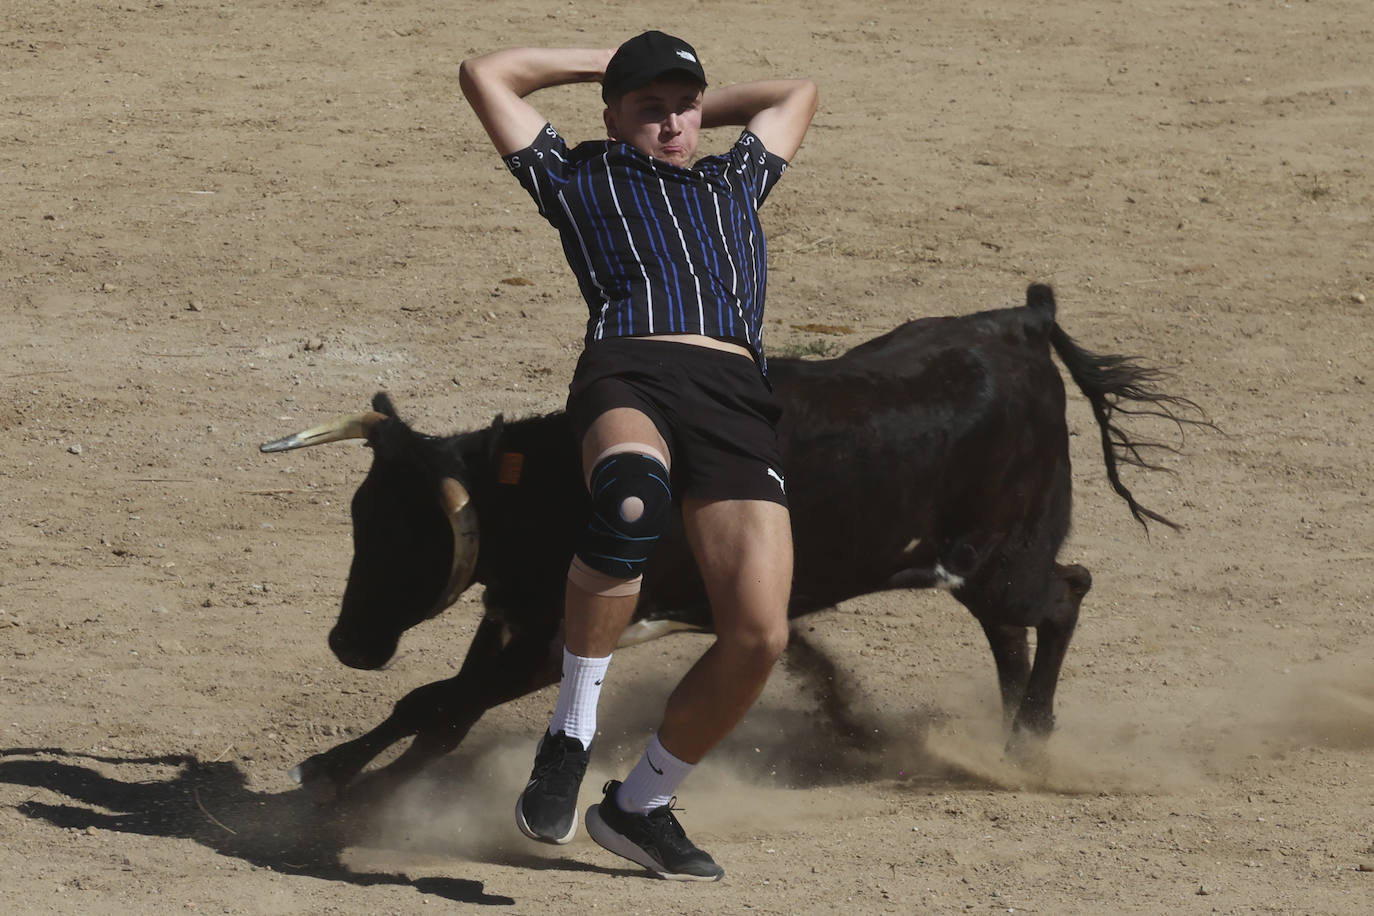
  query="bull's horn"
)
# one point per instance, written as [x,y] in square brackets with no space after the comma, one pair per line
[462,515]
[354,426]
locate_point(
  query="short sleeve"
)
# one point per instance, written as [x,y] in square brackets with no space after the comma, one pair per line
[760,168]
[541,168]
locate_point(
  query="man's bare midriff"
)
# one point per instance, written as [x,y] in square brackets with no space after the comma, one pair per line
[698,340]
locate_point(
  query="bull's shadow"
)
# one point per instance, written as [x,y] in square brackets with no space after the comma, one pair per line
[211,803]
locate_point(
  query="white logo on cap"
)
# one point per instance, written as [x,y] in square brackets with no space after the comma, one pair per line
[686,55]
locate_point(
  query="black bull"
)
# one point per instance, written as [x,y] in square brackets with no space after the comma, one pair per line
[933,456]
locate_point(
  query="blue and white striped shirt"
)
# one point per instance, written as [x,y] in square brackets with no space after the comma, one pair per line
[658,249]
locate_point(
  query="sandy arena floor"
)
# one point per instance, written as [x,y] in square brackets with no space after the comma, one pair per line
[223,221]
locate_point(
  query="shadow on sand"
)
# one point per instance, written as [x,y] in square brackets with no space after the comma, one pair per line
[209,802]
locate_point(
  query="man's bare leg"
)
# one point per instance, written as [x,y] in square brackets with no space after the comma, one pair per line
[592,622]
[597,609]
[744,550]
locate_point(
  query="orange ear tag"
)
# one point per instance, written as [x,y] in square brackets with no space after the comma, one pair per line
[511,465]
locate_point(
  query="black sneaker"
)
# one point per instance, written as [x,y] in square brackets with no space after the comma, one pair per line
[547,810]
[655,840]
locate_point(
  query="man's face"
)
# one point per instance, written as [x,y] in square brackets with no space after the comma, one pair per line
[662,120]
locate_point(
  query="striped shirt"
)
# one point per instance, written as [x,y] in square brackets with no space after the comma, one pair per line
[658,249]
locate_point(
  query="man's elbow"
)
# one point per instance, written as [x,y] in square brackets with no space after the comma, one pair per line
[468,77]
[801,102]
[483,77]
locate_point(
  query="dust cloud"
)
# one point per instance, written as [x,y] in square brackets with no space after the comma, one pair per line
[773,771]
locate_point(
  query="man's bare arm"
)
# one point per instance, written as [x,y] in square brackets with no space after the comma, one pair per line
[777,111]
[496,84]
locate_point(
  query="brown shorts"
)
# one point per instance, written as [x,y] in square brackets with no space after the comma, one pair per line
[712,407]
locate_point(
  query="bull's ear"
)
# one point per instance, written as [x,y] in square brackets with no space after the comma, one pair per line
[495,433]
[381,402]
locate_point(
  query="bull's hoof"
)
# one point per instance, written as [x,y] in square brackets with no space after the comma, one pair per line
[314,774]
[307,771]
[1026,749]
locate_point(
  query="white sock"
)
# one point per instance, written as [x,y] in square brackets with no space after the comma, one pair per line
[653,781]
[578,693]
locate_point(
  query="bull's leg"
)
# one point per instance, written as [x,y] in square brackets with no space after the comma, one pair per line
[832,690]
[527,664]
[1035,718]
[440,714]
[1011,653]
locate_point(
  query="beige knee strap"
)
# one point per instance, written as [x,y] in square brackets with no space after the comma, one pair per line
[596,582]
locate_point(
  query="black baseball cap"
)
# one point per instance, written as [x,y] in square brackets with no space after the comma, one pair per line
[645,58]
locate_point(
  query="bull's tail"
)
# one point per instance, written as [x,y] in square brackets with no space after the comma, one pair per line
[1119,385]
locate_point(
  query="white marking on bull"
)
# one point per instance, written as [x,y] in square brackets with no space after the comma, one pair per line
[645,630]
[946,579]
[911,547]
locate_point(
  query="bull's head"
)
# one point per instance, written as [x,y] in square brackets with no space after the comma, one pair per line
[415,534]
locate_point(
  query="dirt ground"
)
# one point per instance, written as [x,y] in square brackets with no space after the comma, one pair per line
[224,221]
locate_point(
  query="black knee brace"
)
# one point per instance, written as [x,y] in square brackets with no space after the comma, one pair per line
[631,499]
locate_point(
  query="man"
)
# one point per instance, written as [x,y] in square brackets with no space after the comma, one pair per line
[670,400]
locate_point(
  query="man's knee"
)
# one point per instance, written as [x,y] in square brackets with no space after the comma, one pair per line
[631,501]
[758,645]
